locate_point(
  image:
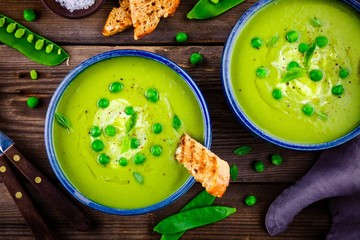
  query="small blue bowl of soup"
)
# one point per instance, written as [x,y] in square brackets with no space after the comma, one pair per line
[113,126]
[290,72]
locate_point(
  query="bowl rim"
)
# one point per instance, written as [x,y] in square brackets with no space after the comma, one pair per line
[48,134]
[235,106]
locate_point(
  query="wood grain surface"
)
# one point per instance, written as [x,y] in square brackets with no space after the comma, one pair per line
[82,39]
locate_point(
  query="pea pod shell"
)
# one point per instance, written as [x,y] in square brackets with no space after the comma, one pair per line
[193,218]
[28,47]
[205,9]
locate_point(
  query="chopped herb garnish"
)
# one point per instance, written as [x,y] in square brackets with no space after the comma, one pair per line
[63,121]
[309,53]
[292,74]
[243,150]
[272,41]
[130,123]
[315,22]
[138,177]
[234,172]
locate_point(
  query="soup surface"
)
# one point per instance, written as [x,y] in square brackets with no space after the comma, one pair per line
[295,70]
[117,127]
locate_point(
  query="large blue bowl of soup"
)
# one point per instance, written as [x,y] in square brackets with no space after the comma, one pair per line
[112,128]
[290,72]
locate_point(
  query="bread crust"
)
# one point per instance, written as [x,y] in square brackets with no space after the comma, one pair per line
[205,166]
[119,19]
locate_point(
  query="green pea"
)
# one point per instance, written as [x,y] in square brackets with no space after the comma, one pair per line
[29,15]
[157,128]
[316,75]
[123,162]
[337,90]
[39,44]
[116,87]
[152,95]
[343,73]
[2,22]
[139,158]
[292,64]
[129,110]
[49,48]
[32,102]
[196,58]
[134,143]
[11,27]
[277,94]
[303,47]
[176,122]
[97,145]
[250,200]
[103,103]
[262,72]
[30,38]
[259,166]
[308,109]
[95,131]
[276,159]
[156,150]
[103,159]
[33,74]
[322,41]
[256,42]
[181,37]
[110,130]
[20,33]
[292,36]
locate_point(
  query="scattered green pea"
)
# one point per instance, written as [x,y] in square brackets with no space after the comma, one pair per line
[308,109]
[256,42]
[322,41]
[139,158]
[181,37]
[156,150]
[103,159]
[29,15]
[215,1]
[95,131]
[303,47]
[49,48]
[11,27]
[292,36]
[2,22]
[292,64]
[116,87]
[152,95]
[39,44]
[337,90]
[259,166]
[110,131]
[19,33]
[157,128]
[33,74]
[134,143]
[277,94]
[176,122]
[343,73]
[262,72]
[123,162]
[32,102]
[276,159]
[30,38]
[316,75]
[250,200]
[196,58]
[97,145]
[103,103]
[129,110]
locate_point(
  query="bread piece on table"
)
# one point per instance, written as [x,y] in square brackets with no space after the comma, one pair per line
[119,19]
[207,168]
[146,14]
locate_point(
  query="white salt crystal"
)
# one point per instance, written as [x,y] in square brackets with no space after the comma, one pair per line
[73,5]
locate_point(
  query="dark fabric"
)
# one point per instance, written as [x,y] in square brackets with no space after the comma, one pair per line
[335,175]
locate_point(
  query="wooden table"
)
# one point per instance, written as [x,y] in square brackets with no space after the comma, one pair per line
[82,38]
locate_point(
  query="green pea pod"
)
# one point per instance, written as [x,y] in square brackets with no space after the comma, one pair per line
[203,199]
[33,46]
[193,218]
[205,9]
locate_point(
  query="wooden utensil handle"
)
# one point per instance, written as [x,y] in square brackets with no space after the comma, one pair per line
[48,191]
[31,215]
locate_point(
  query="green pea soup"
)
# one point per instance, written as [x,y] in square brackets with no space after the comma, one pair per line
[295,70]
[125,117]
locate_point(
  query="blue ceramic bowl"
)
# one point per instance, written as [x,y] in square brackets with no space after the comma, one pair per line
[49,126]
[234,104]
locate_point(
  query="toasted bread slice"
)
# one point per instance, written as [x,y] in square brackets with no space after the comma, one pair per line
[119,19]
[146,14]
[207,168]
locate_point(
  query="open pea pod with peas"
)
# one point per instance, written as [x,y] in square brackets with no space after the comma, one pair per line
[33,46]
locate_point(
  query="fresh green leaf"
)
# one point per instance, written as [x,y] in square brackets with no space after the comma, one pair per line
[293,73]
[176,122]
[315,22]
[63,121]
[243,150]
[234,172]
[309,53]
[272,41]
[138,177]
[130,123]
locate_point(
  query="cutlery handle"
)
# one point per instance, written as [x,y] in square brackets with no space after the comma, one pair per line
[48,191]
[31,215]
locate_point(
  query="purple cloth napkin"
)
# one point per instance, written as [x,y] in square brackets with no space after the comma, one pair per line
[335,174]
